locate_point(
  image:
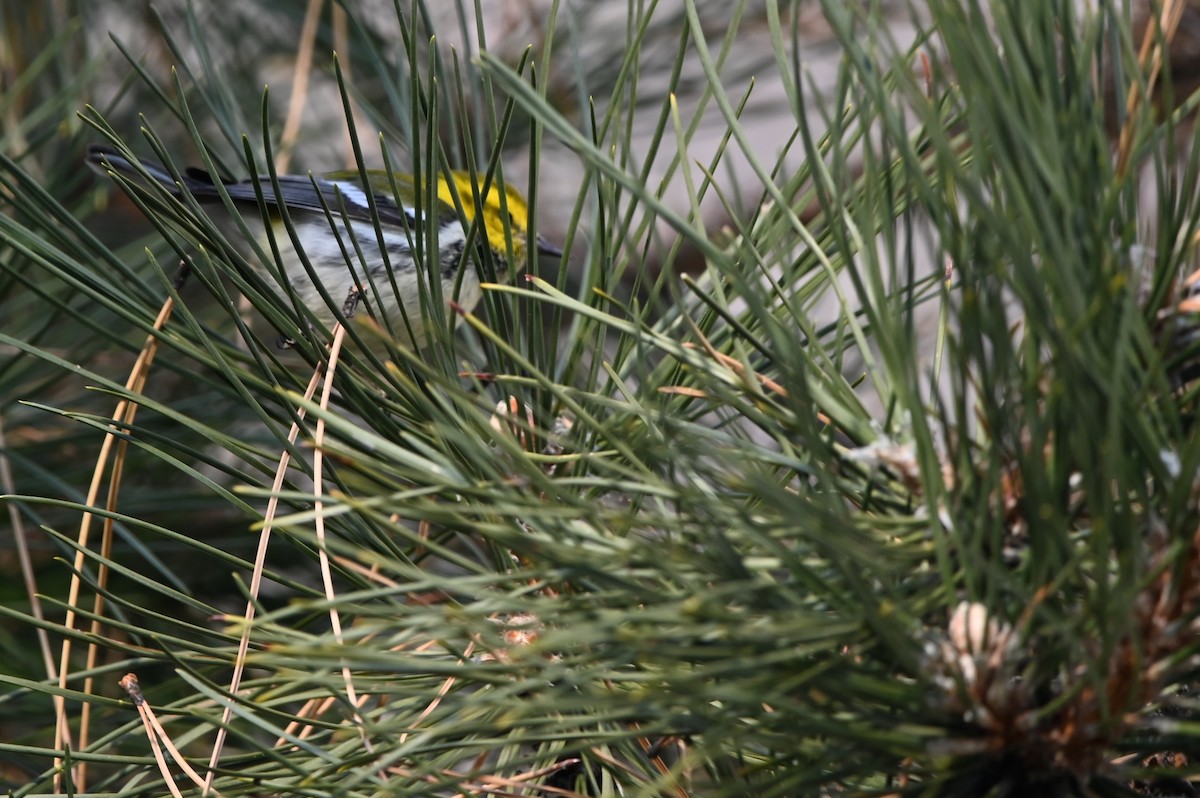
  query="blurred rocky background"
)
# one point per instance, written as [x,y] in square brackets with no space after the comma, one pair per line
[286,47]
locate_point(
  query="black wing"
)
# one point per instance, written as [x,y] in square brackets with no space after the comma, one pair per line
[301,192]
[297,192]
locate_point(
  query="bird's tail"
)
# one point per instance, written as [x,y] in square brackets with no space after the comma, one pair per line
[107,160]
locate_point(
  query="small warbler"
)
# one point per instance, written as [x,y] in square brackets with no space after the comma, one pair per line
[348,254]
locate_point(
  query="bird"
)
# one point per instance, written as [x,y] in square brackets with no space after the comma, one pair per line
[334,228]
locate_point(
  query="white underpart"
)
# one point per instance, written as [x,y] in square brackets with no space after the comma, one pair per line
[365,267]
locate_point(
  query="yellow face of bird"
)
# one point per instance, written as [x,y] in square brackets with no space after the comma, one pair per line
[500,202]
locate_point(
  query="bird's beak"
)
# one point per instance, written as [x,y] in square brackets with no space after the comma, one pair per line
[544,247]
